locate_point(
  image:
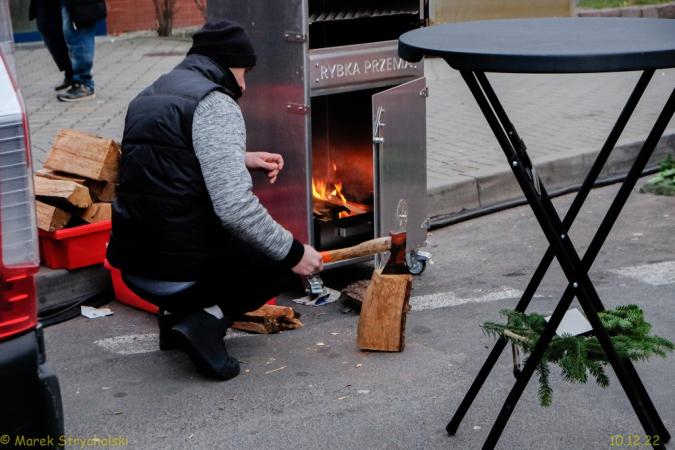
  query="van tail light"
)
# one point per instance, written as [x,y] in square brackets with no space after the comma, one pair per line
[18,305]
[19,254]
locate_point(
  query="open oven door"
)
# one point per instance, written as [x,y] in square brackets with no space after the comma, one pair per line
[400,156]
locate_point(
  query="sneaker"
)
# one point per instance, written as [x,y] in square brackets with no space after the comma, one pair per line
[200,335]
[65,84]
[77,93]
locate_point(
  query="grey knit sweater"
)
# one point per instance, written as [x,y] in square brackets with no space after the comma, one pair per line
[219,139]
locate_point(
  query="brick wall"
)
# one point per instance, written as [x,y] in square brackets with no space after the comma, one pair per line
[136,15]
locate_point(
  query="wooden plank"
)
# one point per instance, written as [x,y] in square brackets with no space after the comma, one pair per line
[61,192]
[97,212]
[383,314]
[50,218]
[85,155]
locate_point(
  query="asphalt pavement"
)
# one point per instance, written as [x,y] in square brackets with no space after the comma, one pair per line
[313,388]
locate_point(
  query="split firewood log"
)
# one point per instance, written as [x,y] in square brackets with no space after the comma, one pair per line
[383,315]
[100,191]
[62,192]
[85,155]
[269,319]
[96,212]
[50,218]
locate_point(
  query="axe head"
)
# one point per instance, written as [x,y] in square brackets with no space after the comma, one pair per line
[396,265]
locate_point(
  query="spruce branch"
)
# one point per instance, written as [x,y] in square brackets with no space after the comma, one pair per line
[581,356]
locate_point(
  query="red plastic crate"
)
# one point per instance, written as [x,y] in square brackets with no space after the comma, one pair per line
[125,295]
[71,248]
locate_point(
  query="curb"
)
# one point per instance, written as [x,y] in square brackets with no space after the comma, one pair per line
[60,287]
[491,188]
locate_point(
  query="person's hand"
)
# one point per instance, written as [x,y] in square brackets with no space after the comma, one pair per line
[272,163]
[311,262]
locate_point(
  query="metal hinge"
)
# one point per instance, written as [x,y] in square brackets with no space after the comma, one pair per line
[292,36]
[377,139]
[297,108]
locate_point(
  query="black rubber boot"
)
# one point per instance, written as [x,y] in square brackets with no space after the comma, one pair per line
[200,335]
[166,337]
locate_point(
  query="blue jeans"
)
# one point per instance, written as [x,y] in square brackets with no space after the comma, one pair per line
[81,44]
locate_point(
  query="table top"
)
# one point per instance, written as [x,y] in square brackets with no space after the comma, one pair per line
[561,45]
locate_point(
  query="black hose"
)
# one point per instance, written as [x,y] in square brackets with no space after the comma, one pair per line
[455,218]
[56,314]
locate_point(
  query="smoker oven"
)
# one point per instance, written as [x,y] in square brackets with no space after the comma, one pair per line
[332,96]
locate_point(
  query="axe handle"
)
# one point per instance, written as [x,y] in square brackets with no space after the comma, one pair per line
[370,247]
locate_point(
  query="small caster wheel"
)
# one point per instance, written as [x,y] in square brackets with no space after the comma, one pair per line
[417,266]
[417,261]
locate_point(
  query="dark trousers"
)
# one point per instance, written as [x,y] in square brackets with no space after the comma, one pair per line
[244,282]
[50,26]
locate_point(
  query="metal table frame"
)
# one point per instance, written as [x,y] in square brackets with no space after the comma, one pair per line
[561,247]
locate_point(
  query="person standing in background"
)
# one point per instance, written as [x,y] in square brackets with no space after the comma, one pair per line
[50,27]
[78,18]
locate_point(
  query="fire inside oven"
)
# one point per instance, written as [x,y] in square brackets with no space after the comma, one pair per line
[342,168]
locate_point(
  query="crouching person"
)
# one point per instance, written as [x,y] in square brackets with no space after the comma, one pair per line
[188,234]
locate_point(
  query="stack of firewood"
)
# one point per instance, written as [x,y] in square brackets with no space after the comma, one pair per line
[78,181]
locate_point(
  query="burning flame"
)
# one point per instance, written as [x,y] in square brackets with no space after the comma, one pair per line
[319,189]
[338,191]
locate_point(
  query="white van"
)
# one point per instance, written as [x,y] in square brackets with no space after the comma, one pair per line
[31,405]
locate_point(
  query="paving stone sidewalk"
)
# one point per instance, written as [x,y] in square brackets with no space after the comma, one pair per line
[563,119]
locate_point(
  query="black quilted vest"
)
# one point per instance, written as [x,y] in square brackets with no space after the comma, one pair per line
[163,223]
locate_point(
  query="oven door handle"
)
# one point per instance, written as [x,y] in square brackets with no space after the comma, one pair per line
[377,139]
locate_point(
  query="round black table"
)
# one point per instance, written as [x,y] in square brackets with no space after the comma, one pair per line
[565,45]
[547,45]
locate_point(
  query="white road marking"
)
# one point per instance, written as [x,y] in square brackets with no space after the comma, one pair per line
[131,344]
[443,299]
[145,343]
[654,274]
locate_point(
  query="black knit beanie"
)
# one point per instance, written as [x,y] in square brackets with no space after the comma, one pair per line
[225,42]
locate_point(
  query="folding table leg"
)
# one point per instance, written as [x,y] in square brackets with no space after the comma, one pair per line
[574,209]
[555,232]
[553,228]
